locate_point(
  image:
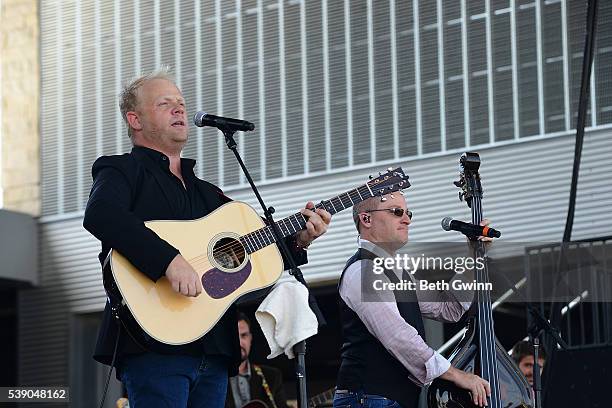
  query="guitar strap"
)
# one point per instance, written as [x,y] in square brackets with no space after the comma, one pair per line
[265,385]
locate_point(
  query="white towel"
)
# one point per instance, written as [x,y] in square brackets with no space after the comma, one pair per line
[285,318]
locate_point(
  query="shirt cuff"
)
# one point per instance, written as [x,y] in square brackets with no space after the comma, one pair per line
[435,367]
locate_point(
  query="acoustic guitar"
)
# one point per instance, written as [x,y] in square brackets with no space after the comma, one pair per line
[255,404]
[231,250]
[322,400]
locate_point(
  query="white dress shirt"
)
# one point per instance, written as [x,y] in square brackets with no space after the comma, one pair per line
[383,320]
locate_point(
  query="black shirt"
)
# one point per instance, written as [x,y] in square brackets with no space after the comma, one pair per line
[136,187]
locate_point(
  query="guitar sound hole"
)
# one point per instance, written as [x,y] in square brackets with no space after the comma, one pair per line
[229,254]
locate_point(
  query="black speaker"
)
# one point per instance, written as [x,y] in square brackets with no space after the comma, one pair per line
[579,378]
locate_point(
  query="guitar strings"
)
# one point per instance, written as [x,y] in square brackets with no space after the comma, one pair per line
[351,194]
[238,244]
[259,236]
[242,242]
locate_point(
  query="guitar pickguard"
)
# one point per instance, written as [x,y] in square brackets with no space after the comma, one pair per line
[218,284]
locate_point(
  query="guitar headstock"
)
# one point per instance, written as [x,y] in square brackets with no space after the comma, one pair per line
[388,182]
[469,178]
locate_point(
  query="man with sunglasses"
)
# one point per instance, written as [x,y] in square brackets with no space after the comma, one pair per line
[385,359]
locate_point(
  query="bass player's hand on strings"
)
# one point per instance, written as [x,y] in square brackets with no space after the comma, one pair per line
[478,387]
[183,278]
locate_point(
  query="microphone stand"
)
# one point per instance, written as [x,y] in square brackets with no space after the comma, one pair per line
[538,326]
[300,348]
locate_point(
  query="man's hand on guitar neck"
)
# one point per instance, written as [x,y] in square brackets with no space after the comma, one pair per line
[317,223]
[183,277]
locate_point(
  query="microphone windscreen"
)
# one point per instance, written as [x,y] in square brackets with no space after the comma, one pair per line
[446,221]
[198,118]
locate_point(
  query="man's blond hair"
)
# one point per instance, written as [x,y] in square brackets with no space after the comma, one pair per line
[128,98]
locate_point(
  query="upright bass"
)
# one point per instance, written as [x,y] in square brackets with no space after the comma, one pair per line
[479,351]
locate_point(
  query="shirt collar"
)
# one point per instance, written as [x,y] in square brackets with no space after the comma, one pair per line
[381,253]
[160,158]
[248,371]
[372,247]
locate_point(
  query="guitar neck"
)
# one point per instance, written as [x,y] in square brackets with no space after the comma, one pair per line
[263,237]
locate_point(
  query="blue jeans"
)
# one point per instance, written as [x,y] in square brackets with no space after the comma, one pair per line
[174,381]
[359,399]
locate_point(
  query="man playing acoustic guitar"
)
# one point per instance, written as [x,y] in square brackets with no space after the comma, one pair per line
[153,182]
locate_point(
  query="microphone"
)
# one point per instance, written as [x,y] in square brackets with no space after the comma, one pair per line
[470,230]
[201,119]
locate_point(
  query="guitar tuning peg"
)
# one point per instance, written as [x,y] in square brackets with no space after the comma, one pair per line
[371,177]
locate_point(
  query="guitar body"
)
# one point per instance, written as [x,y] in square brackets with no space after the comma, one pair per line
[324,399]
[514,389]
[232,251]
[255,404]
[172,318]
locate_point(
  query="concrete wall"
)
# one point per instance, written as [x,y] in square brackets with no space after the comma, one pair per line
[19,56]
[18,248]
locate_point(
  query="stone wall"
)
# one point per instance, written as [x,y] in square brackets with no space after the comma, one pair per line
[19,56]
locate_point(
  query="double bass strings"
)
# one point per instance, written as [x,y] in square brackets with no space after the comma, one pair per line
[486,330]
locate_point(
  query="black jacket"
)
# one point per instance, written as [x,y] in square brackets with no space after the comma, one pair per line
[136,187]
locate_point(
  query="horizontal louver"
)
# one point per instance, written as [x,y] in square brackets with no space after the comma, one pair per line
[329,84]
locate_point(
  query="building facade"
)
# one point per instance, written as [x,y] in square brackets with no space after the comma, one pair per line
[337,90]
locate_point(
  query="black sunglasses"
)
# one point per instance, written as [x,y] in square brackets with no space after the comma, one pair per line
[398,212]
